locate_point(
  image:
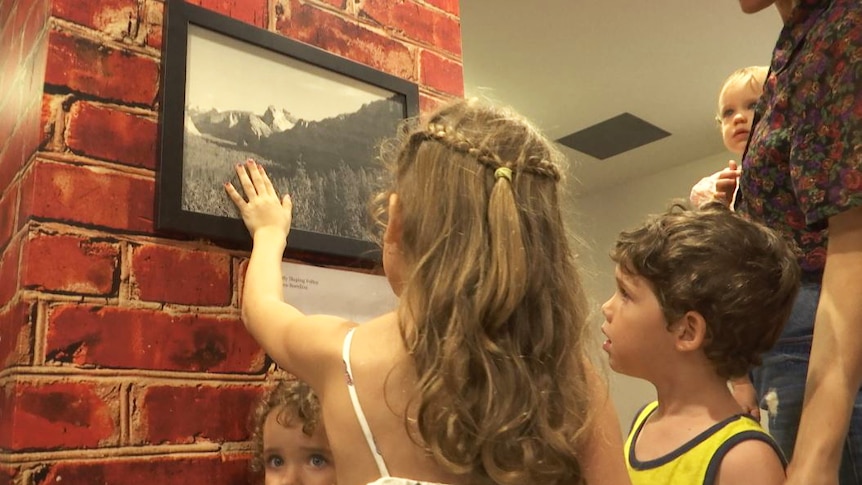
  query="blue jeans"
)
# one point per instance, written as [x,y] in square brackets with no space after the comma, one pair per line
[780,385]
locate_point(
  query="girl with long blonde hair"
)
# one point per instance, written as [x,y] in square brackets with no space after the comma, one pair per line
[481,375]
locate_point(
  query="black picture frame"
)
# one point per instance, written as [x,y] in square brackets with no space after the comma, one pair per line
[316,137]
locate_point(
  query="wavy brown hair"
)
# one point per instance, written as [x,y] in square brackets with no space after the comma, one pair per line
[295,403]
[741,276]
[492,311]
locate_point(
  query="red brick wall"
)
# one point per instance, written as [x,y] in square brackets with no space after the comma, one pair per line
[123,358]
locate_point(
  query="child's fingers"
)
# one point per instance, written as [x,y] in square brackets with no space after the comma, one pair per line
[267,182]
[257,177]
[234,195]
[247,185]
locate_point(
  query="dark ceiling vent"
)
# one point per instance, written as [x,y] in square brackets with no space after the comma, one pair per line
[614,136]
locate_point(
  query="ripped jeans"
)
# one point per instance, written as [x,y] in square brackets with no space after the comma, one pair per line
[780,385]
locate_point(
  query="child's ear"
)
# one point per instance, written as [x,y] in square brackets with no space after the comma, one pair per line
[690,331]
[392,234]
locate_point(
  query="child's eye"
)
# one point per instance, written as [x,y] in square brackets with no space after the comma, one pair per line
[318,461]
[623,293]
[752,105]
[274,461]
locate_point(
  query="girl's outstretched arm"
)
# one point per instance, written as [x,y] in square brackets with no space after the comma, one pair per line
[283,331]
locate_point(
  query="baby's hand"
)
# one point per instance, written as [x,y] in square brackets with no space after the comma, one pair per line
[263,209]
[725,184]
[745,395]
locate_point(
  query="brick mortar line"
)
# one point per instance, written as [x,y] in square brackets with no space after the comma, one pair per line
[69,158]
[440,95]
[102,38]
[124,291]
[194,450]
[148,114]
[125,413]
[426,46]
[177,310]
[142,376]
[41,335]
[69,229]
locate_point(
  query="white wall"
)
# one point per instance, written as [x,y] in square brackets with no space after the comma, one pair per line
[597,219]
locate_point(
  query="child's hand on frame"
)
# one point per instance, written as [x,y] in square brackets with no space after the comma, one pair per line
[263,208]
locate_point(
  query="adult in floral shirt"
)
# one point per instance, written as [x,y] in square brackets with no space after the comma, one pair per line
[802,175]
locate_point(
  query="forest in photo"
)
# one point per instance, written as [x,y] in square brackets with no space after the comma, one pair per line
[329,167]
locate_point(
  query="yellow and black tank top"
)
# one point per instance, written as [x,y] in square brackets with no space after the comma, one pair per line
[697,461]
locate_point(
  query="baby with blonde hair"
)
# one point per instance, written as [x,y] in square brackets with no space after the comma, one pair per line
[736,101]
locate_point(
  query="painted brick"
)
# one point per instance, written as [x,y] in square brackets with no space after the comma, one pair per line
[441,74]
[8,473]
[16,323]
[28,128]
[170,414]
[155,269]
[136,338]
[10,110]
[309,24]
[109,16]
[58,415]
[88,195]
[12,158]
[109,134]
[339,4]
[451,6]
[153,22]
[429,104]
[8,212]
[9,269]
[33,81]
[52,121]
[35,25]
[11,40]
[88,67]
[416,22]
[249,11]
[198,470]
[71,264]
[6,9]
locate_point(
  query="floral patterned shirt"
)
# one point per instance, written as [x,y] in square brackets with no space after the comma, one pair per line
[803,163]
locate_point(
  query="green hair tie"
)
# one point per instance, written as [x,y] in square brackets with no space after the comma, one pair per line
[504,172]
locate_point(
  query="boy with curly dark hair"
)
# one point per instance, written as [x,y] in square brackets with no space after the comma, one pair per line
[701,294]
[290,444]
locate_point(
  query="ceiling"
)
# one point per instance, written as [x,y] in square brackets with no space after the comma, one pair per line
[569,64]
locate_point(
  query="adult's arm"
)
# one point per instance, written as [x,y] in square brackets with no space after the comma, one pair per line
[835,370]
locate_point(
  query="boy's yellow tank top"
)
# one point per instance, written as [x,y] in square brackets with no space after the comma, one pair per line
[698,460]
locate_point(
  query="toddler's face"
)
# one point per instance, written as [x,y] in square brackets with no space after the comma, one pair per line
[736,112]
[293,458]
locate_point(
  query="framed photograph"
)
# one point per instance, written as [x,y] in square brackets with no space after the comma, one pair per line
[314,120]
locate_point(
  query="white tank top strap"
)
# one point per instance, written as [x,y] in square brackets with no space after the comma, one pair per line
[354,399]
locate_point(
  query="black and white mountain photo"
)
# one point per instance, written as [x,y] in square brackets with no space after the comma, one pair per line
[316,132]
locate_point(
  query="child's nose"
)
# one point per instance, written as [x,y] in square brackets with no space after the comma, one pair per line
[290,475]
[606,309]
